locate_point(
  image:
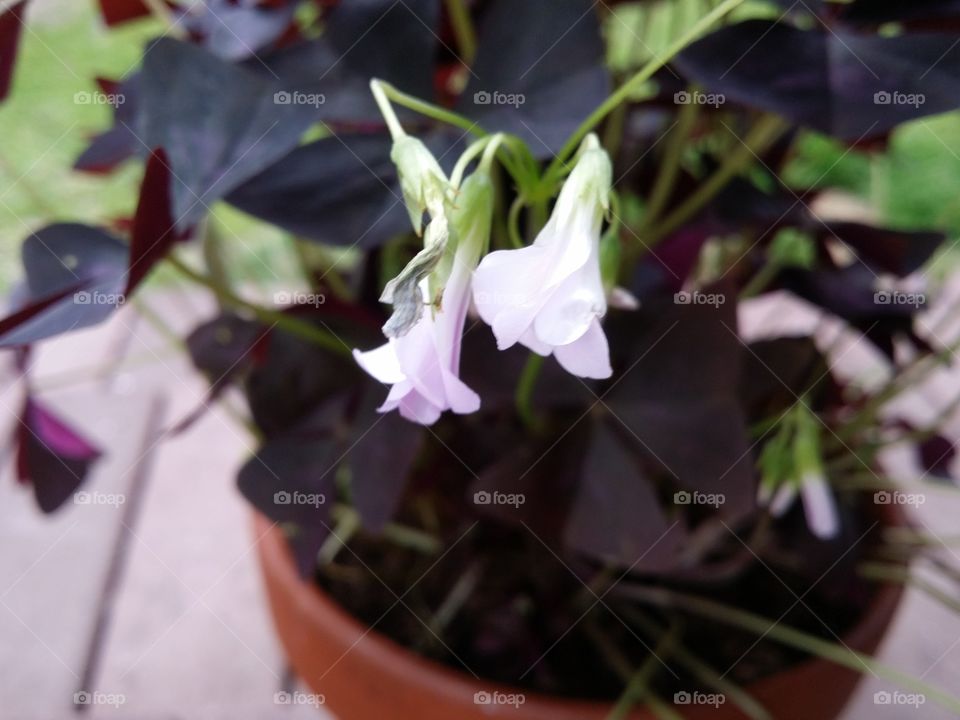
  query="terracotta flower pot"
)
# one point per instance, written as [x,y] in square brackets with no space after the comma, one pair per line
[364,675]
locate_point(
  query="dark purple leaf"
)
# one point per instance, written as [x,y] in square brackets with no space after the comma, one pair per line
[219,124]
[291,477]
[393,41]
[237,29]
[777,372]
[118,144]
[226,346]
[538,84]
[339,190]
[877,12]
[853,293]
[845,84]
[617,516]
[11,24]
[936,456]
[75,278]
[381,454]
[674,392]
[534,483]
[51,455]
[894,251]
[666,268]
[293,377]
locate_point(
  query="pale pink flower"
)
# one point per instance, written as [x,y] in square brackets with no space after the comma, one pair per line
[550,296]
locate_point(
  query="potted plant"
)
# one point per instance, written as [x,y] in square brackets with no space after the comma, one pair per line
[517,454]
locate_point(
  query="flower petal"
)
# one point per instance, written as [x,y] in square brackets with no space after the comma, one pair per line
[588,356]
[819,507]
[460,398]
[418,409]
[382,363]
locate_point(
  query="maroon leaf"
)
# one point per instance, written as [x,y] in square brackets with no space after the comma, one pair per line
[51,455]
[153,225]
[115,12]
[11,22]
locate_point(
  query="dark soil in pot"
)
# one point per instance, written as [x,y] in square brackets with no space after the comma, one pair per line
[503,603]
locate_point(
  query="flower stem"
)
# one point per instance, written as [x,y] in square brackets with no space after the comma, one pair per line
[288,323]
[670,167]
[525,387]
[378,88]
[428,109]
[760,137]
[622,93]
[463,29]
[791,637]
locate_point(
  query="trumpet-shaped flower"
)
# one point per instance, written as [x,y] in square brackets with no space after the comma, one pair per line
[550,296]
[422,365]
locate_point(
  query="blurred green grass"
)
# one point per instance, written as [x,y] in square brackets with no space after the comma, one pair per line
[65,47]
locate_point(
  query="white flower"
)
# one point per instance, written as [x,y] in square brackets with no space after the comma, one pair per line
[819,507]
[550,296]
[423,364]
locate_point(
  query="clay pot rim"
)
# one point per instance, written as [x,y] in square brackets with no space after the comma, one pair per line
[434,678]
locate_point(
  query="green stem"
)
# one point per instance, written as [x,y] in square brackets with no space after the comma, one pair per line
[766,627]
[643,75]
[462,24]
[285,322]
[523,168]
[759,282]
[428,109]
[380,94]
[639,686]
[760,137]
[898,574]
[670,168]
[525,387]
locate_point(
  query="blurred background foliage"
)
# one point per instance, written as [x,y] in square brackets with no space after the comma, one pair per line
[915,183]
